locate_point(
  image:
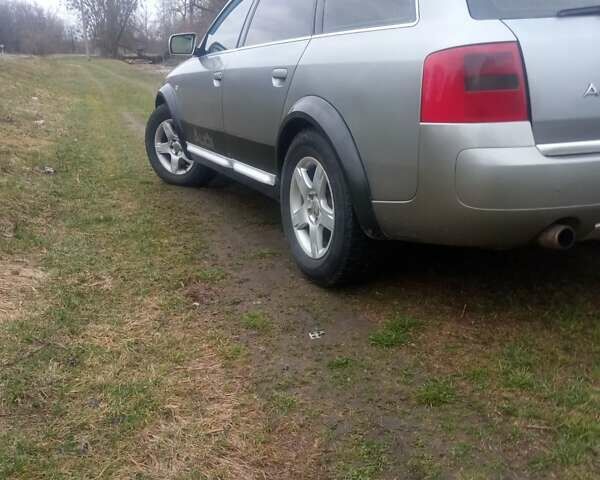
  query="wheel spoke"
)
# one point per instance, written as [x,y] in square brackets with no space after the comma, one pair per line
[299,220]
[163,148]
[315,244]
[174,164]
[303,182]
[327,219]
[319,181]
[169,132]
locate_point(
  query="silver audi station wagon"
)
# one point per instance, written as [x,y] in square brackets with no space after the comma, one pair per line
[455,122]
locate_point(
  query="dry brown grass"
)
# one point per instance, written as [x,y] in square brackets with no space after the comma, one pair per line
[19,281]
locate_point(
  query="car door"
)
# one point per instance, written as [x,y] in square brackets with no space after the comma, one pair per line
[199,81]
[258,77]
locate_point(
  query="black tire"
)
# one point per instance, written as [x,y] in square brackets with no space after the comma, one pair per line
[197,176]
[346,260]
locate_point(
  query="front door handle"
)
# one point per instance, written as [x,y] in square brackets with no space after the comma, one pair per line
[217,78]
[280,75]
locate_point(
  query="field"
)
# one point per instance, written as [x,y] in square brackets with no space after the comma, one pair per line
[154,332]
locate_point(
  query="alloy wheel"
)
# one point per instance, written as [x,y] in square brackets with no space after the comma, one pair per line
[169,149]
[312,208]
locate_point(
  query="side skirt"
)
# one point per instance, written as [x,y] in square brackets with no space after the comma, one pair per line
[260,180]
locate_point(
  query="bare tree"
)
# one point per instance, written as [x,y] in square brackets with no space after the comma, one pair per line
[107,21]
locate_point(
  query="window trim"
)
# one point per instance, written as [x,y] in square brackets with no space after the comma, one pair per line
[244,37]
[201,48]
[247,23]
[316,29]
[322,33]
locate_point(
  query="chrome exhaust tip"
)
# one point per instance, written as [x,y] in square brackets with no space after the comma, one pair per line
[558,237]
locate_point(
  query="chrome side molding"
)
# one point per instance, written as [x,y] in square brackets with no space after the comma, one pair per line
[569,148]
[232,164]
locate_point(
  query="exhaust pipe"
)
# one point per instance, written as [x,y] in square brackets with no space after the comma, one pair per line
[558,237]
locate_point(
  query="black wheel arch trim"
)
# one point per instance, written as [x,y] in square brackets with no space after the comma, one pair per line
[167,95]
[324,117]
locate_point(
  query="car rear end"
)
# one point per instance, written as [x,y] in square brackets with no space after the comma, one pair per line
[510,125]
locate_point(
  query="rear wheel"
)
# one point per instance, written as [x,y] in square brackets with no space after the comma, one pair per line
[326,240]
[166,154]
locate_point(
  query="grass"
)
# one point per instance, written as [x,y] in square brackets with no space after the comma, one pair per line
[341,363]
[283,402]
[436,392]
[366,460]
[256,321]
[424,467]
[394,333]
[120,358]
[104,357]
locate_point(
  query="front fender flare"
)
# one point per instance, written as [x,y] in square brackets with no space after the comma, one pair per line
[323,116]
[167,95]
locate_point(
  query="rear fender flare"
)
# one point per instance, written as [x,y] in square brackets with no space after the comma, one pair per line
[319,114]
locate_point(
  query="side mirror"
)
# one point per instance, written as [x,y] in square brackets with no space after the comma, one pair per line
[182,44]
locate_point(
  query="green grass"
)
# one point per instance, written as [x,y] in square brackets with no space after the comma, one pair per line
[366,459]
[212,275]
[341,363]
[256,321]
[283,402]
[437,392]
[106,348]
[394,333]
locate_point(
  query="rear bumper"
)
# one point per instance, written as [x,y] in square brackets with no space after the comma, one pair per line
[524,179]
[489,186]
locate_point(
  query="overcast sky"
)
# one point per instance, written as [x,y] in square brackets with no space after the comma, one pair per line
[58,7]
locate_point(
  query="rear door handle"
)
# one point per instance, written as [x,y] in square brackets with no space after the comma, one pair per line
[280,75]
[217,78]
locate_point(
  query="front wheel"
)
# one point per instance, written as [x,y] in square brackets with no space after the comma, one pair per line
[166,154]
[326,240]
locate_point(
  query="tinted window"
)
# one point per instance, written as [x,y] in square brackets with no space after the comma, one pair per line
[224,34]
[506,9]
[281,19]
[352,14]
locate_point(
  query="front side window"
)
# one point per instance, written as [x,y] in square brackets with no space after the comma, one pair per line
[225,33]
[511,9]
[353,14]
[276,20]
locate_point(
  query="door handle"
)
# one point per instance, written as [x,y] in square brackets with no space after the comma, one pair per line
[280,75]
[217,78]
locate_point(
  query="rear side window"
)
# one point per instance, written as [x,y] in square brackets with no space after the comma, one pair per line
[352,14]
[224,34]
[511,9]
[276,20]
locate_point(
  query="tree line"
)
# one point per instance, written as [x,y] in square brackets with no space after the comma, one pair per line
[28,28]
[110,28]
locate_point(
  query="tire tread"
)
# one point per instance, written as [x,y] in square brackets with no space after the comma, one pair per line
[352,260]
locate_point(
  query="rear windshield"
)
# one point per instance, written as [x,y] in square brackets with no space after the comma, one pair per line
[507,9]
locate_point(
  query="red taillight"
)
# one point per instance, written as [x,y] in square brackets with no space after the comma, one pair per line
[475,84]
